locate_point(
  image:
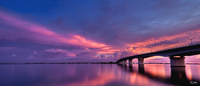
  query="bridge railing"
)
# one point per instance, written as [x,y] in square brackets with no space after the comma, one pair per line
[190,44]
[184,45]
[179,46]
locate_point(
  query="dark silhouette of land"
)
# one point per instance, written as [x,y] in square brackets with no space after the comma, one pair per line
[86,63]
[64,63]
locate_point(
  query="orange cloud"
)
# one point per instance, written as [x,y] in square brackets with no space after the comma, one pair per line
[142,46]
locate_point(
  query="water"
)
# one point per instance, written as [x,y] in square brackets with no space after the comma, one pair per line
[98,75]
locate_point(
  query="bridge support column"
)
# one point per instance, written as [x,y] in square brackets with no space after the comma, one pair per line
[177,61]
[130,62]
[140,61]
[124,62]
[121,63]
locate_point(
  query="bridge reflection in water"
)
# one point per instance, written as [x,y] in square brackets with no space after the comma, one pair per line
[177,77]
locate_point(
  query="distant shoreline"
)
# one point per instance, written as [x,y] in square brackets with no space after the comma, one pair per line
[85,63]
[65,63]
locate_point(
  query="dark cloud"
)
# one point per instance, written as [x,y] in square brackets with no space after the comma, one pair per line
[162,43]
[54,53]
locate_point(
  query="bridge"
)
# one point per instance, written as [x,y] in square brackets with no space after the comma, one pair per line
[176,55]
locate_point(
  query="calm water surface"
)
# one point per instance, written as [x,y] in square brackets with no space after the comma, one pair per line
[98,75]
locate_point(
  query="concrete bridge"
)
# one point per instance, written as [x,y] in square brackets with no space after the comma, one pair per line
[176,55]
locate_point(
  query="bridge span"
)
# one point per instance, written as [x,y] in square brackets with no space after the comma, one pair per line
[176,55]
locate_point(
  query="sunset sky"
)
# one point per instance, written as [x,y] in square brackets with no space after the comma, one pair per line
[95,30]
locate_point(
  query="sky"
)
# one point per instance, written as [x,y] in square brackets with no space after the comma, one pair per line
[95,30]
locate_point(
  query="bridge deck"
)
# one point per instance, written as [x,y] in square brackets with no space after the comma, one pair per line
[179,51]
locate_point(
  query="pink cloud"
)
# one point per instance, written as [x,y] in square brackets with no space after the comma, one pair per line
[25,31]
[142,47]
[85,52]
[43,35]
[34,33]
[177,40]
[129,51]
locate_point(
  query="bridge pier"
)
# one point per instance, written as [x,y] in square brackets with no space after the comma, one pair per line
[130,62]
[121,63]
[177,61]
[140,61]
[124,62]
